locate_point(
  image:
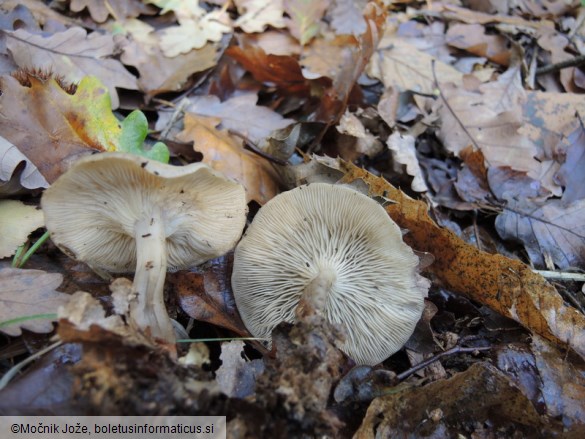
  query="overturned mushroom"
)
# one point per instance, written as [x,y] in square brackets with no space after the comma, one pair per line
[339,251]
[118,211]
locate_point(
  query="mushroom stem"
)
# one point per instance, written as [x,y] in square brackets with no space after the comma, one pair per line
[149,310]
[314,297]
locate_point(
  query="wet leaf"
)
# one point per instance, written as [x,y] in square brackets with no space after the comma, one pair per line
[25,293]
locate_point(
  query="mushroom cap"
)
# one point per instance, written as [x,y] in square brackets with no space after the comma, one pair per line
[347,238]
[91,210]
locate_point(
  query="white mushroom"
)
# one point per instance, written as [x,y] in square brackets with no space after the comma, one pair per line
[330,245]
[118,211]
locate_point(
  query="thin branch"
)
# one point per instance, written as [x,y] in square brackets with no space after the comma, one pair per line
[573,62]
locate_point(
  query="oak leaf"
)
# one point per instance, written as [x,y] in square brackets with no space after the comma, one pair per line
[257,15]
[119,9]
[11,162]
[53,128]
[71,55]
[159,73]
[26,293]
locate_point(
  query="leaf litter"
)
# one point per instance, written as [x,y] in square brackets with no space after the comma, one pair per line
[446,115]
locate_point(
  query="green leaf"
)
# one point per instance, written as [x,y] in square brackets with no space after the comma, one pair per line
[134,131]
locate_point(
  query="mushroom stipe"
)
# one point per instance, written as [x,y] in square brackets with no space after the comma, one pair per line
[119,212]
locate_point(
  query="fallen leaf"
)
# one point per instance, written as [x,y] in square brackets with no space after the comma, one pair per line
[346,17]
[196,27]
[118,9]
[205,294]
[236,377]
[17,221]
[281,70]
[159,73]
[403,152]
[473,39]
[257,15]
[10,159]
[225,154]
[552,228]
[305,17]
[507,286]
[26,293]
[241,115]
[53,128]
[402,65]
[571,174]
[71,54]
[363,142]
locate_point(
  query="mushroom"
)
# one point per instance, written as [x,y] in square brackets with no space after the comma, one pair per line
[339,251]
[118,211]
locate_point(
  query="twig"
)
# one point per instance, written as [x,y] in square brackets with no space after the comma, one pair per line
[563,275]
[178,110]
[255,149]
[454,350]
[573,62]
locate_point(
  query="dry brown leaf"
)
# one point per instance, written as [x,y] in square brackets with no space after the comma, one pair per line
[257,15]
[26,293]
[240,114]
[205,294]
[226,154]
[119,9]
[362,142]
[53,128]
[472,38]
[305,18]
[401,65]
[196,27]
[506,286]
[17,221]
[280,70]
[71,54]
[158,73]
